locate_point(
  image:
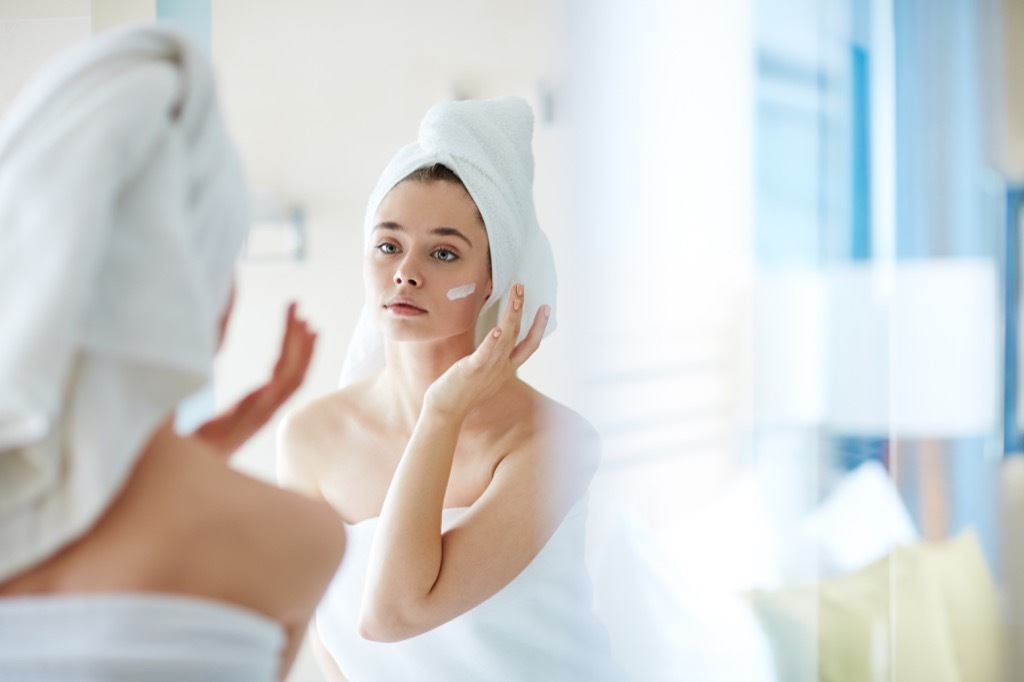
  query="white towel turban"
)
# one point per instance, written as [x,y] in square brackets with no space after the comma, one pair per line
[122,210]
[488,144]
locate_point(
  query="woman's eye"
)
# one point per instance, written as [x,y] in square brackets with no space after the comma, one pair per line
[387,247]
[445,255]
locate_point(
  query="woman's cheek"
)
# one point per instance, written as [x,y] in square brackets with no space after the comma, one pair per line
[462,291]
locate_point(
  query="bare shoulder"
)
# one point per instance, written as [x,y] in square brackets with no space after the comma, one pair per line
[322,417]
[306,435]
[274,550]
[565,421]
[300,543]
[547,456]
[569,433]
[561,440]
[248,542]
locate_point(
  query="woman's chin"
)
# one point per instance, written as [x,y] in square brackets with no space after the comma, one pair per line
[413,331]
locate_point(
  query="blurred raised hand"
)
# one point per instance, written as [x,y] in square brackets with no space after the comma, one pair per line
[230,430]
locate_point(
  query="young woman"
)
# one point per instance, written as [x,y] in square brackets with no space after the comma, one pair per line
[128,551]
[463,488]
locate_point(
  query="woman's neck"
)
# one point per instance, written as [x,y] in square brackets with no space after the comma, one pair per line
[410,369]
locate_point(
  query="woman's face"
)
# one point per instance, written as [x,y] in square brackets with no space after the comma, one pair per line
[427,271]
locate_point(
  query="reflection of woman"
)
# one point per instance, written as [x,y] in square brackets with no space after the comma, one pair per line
[462,487]
[127,551]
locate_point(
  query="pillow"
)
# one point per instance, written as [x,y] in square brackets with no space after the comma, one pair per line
[925,612]
[860,521]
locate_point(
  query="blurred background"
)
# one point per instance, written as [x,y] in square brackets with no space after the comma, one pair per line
[788,241]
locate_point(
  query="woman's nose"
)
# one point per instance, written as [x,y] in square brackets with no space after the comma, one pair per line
[407,275]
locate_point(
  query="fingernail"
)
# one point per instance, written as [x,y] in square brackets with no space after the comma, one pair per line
[496,333]
[547,311]
[519,289]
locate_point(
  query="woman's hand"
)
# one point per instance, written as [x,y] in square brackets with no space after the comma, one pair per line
[229,431]
[478,376]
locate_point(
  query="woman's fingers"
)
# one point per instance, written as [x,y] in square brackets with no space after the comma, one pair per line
[301,355]
[531,343]
[500,341]
[296,351]
[508,332]
[230,430]
[513,313]
[289,325]
[488,349]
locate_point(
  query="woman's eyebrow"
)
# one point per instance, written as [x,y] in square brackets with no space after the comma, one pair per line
[450,232]
[440,231]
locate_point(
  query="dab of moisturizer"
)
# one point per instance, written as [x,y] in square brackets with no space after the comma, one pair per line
[461,292]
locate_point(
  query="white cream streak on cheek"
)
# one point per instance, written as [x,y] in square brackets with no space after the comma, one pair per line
[461,292]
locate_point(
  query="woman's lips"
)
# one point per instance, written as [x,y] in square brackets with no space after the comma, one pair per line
[404,308]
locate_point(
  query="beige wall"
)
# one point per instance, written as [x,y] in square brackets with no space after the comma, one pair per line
[42,9]
[109,13]
[32,31]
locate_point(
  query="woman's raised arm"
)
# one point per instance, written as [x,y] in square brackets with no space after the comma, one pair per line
[417,577]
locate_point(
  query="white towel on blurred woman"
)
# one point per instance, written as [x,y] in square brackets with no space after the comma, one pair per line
[115,170]
[131,638]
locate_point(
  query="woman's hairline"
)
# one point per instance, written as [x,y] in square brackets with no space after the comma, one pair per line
[438,172]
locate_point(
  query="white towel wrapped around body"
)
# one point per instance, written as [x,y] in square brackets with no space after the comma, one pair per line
[122,210]
[538,627]
[488,145]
